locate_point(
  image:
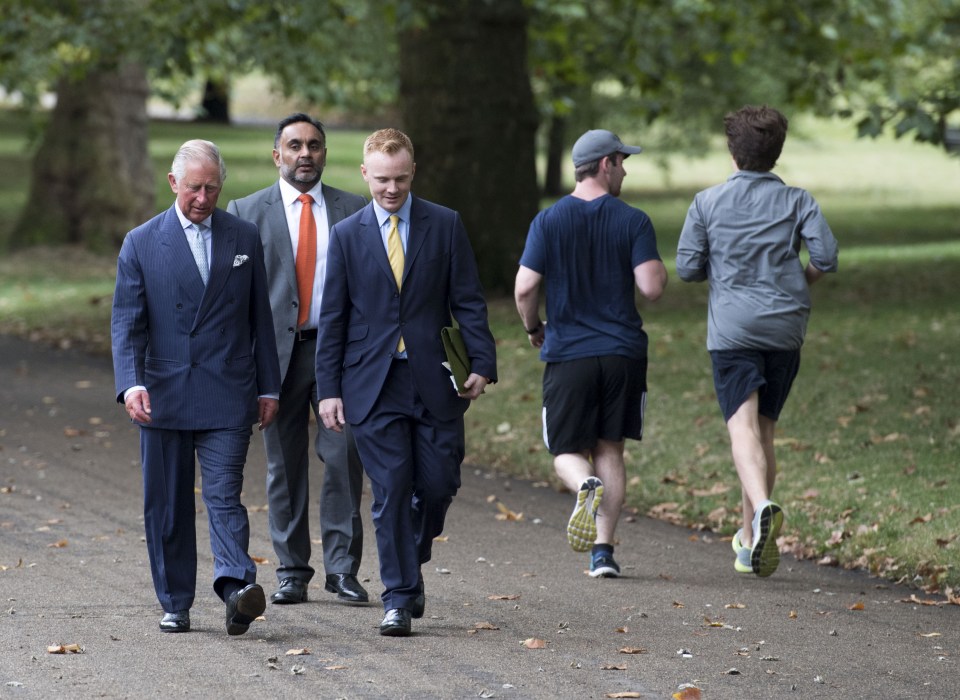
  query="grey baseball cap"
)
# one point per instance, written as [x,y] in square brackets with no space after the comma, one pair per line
[597,143]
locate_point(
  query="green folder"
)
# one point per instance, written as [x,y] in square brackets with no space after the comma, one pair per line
[457,358]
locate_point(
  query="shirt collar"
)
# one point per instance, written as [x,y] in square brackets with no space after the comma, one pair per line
[185,223]
[289,193]
[754,175]
[403,212]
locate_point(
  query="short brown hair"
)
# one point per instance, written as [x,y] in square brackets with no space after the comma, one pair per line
[755,137]
[388,141]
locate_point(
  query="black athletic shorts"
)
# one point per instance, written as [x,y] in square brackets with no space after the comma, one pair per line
[591,399]
[739,373]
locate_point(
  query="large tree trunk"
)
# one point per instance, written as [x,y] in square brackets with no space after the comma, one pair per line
[467,105]
[92,180]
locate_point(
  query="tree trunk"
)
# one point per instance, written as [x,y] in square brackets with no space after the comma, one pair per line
[553,176]
[92,179]
[215,106]
[467,105]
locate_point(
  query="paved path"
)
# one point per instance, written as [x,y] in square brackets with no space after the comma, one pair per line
[73,570]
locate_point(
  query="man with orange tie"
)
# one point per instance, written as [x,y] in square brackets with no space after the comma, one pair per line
[294,216]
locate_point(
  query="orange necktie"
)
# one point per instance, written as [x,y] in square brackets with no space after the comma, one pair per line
[306,257]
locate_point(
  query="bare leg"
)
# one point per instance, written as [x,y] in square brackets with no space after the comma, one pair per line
[608,463]
[573,468]
[751,443]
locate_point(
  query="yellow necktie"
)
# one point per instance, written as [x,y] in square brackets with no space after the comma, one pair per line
[395,254]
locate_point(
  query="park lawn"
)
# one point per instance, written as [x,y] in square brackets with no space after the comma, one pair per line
[869,443]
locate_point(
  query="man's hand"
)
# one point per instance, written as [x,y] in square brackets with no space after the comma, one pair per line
[268,411]
[474,386]
[137,404]
[331,413]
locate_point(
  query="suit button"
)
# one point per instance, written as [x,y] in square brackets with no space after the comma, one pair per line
[291,330]
[179,306]
[194,364]
[294,304]
[193,334]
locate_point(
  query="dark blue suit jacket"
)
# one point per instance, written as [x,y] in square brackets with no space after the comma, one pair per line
[362,313]
[204,354]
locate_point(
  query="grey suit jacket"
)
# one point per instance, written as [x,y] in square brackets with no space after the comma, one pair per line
[265,209]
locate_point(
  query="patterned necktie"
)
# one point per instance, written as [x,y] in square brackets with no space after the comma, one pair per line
[395,254]
[306,258]
[199,249]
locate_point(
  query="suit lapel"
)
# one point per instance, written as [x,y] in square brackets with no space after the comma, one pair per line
[419,229]
[369,233]
[282,260]
[224,246]
[174,240]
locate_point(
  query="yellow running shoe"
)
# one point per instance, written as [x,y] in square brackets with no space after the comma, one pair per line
[582,528]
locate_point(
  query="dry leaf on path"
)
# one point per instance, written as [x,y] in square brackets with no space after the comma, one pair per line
[612,667]
[260,560]
[64,649]
[632,650]
[485,626]
[297,652]
[735,606]
[691,692]
[534,643]
[334,668]
[856,606]
[507,514]
[509,596]
[59,544]
[624,694]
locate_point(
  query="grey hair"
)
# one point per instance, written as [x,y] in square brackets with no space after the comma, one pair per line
[197,150]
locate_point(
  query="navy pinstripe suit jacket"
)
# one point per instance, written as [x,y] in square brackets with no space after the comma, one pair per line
[204,354]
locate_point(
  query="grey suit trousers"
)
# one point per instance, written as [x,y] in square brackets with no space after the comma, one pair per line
[288,463]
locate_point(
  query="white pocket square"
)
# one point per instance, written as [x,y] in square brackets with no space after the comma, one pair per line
[240,259]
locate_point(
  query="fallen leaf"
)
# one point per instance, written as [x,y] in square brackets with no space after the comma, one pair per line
[335,668]
[59,544]
[632,650]
[930,634]
[622,630]
[507,514]
[64,649]
[260,560]
[534,643]
[922,519]
[510,596]
[691,692]
[793,615]
[611,667]
[735,606]
[624,694]
[856,606]
[485,626]
[677,604]
[297,652]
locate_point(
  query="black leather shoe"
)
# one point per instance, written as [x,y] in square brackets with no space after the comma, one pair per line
[417,606]
[396,623]
[178,621]
[243,607]
[292,590]
[347,588]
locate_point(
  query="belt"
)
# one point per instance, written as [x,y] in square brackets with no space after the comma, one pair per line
[306,334]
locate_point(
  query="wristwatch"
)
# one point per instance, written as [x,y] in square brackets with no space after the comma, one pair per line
[531,331]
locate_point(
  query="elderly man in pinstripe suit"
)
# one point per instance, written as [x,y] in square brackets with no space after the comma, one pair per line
[195,365]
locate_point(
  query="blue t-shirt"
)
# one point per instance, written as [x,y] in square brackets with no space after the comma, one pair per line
[586,252]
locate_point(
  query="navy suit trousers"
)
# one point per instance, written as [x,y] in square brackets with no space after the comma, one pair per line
[169,509]
[413,461]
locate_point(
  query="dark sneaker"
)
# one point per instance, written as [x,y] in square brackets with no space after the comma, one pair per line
[602,565]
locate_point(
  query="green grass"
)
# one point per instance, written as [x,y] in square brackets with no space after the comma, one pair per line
[869,443]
